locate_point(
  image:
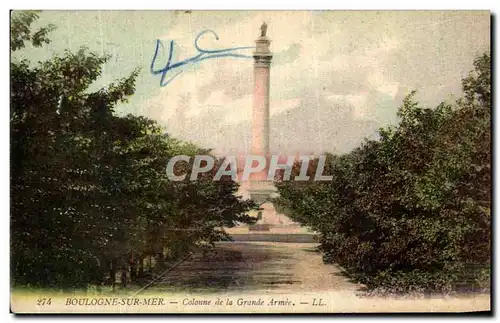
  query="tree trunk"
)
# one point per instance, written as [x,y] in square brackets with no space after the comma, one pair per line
[160,258]
[141,266]
[124,277]
[133,268]
[112,274]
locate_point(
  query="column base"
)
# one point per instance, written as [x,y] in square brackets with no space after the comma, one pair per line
[262,192]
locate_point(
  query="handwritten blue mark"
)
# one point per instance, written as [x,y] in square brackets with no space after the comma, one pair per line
[203,54]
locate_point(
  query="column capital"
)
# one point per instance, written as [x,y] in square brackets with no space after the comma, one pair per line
[262,55]
[262,60]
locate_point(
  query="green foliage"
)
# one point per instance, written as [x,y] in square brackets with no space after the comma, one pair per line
[412,210]
[89,189]
[20,30]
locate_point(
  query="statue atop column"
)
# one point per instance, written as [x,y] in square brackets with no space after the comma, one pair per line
[263,29]
[262,53]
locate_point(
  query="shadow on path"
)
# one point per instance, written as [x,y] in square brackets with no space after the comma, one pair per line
[252,266]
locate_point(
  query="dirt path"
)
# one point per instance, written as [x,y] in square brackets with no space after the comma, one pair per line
[263,272]
[258,266]
[295,271]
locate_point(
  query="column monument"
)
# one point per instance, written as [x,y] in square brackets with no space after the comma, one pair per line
[271,225]
[260,188]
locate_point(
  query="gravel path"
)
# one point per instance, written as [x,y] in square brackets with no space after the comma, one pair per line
[295,271]
[262,277]
[257,266]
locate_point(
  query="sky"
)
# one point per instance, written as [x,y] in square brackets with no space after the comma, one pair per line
[336,76]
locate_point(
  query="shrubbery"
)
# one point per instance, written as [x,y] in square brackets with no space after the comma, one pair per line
[89,190]
[412,210]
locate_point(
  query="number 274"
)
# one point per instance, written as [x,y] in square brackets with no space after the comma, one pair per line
[44,301]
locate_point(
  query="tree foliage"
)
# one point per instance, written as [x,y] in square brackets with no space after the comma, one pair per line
[89,189]
[412,210]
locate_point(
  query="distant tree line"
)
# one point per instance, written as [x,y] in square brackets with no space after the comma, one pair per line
[410,211]
[89,190]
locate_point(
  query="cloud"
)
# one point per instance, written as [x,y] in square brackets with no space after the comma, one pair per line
[336,77]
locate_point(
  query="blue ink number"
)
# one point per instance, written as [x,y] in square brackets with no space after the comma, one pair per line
[203,54]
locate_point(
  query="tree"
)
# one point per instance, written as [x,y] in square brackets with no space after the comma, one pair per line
[411,211]
[89,188]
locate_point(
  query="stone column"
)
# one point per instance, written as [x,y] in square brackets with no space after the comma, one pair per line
[260,120]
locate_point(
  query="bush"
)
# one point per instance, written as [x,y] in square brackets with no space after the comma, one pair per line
[90,192]
[410,211]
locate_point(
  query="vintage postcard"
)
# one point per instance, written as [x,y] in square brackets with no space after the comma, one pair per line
[250,161]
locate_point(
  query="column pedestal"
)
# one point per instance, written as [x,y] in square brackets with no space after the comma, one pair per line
[271,225]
